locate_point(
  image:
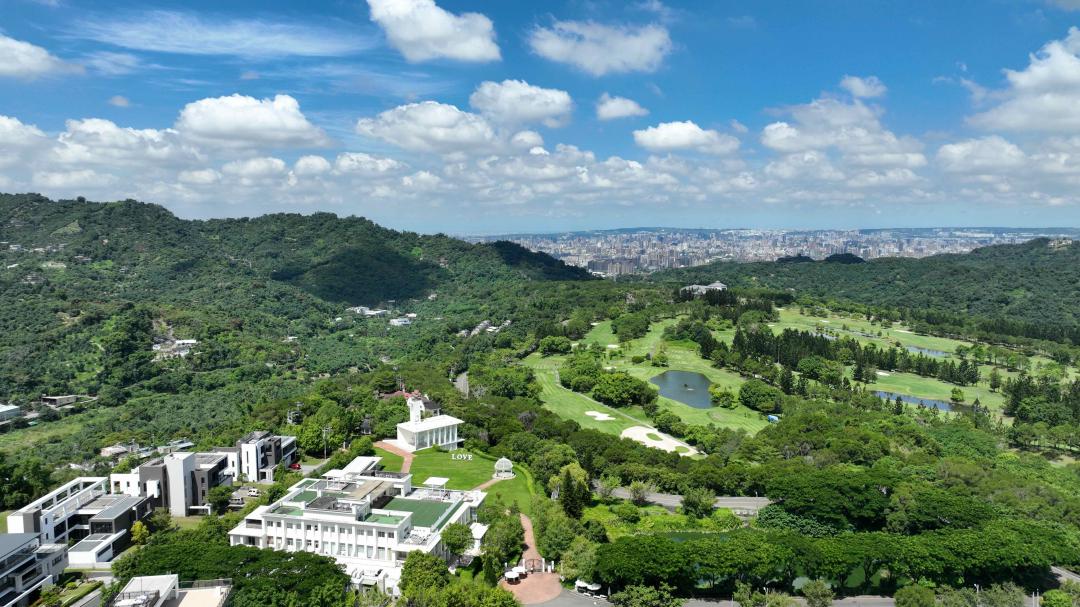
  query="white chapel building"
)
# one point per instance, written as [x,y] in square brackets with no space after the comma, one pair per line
[427,426]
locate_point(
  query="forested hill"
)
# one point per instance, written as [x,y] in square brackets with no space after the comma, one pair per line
[71,268]
[1033,287]
[342,259]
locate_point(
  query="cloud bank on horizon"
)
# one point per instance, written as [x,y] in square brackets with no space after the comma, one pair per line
[473,117]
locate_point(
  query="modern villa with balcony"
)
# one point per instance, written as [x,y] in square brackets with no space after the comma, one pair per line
[82,511]
[367,519]
[27,565]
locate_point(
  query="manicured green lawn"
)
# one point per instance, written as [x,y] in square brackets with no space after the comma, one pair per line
[3,520]
[928,387]
[463,473]
[390,461]
[187,522]
[682,356]
[571,405]
[514,490]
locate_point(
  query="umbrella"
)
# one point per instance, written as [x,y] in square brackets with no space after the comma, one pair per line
[580,584]
[593,587]
[511,575]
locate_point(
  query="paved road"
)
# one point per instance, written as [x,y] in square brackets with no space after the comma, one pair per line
[1064,575]
[569,598]
[747,506]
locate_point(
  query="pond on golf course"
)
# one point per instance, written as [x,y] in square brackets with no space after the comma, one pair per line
[928,352]
[941,405]
[686,387]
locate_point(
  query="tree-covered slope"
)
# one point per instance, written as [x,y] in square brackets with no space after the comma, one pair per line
[1035,285]
[72,269]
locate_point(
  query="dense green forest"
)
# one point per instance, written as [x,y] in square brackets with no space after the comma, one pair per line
[1029,290]
[86,289]
[869,495]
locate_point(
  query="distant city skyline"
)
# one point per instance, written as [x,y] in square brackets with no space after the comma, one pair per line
[466,116]
[643,250]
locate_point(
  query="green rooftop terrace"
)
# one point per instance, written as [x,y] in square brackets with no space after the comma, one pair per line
[425,513]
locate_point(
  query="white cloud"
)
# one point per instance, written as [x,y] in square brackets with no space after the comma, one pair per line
[264,166]
[366,164]
[852,129]
[889,178]
[863,88]
[526,140]
[13,133]
[422,31]
[20,59]
[738,127]
[1042,97]
[810,164]
[1069,5]
[190,34]
[602,49]
[99,141]
[241,121]
[983,155]
[19,141]
[311,165]
[199,177]
[119,101]
[68,180]
[421,180]
[612,108]
[430,127]
[685,135]
[112,64]
[518,102]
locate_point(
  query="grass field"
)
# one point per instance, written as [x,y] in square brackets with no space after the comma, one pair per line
[3,520]
[928,387]
[468,474]
[390,461]
[514,490]
[900,383]
[463,473]
[682,356]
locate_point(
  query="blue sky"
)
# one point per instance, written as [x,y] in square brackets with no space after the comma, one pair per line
[482,117]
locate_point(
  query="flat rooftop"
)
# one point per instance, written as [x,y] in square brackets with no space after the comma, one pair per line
[90,542]
[431,423]
[11,542]
[111,506]
[425,513]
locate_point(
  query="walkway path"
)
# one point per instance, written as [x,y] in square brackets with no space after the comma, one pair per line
[743,506]
[536,587]
[484,485]
[406,457]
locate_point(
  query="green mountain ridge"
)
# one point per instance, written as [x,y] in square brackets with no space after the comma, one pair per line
[1034,286]
[246,281]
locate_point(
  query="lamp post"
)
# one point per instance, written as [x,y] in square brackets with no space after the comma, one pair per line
[325,432]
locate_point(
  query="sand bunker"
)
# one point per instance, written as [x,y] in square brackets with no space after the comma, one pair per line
[664,442]
[884,373]
[598,416]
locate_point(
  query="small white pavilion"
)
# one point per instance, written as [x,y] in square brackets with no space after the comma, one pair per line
[422,432]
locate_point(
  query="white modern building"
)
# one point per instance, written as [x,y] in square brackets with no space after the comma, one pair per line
[26,566]
[427,427]
[367,519]
[700,290]
[169,591]
[82,512]
[257,455]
